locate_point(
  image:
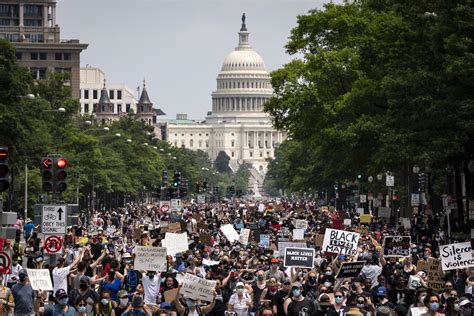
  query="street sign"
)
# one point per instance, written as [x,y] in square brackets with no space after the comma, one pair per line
[201,198]
[53,244]
[175,205]
[390,181]
[5,262]
[54,219]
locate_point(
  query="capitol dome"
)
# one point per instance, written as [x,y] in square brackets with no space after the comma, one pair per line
[243,84]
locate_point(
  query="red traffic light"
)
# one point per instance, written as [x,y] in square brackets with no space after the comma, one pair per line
[3,154]
[61,163]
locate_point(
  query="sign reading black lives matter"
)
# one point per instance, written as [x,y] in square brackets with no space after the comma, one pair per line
[396,246]
[299,257]
[340,242]
[350,269]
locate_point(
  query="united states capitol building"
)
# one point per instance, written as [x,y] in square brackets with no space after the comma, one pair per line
[237,123]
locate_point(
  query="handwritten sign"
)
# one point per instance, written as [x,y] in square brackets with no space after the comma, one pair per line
[396,246]
[197,288]
[340,242]
[456,256]
[40,279]
[150,258]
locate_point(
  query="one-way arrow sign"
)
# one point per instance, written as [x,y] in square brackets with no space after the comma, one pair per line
[60,212]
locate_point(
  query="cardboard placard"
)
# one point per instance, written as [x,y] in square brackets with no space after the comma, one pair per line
[197,288]
[350,269]
[396,246]
[340,242]
[150,258]
[299,257]
[456,256]
[40,279]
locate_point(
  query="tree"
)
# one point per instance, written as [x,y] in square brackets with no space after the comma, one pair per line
[222,162]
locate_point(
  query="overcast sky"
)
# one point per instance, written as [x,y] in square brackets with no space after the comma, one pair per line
[177,45]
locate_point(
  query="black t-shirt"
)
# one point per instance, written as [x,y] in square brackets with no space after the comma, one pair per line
[301,308]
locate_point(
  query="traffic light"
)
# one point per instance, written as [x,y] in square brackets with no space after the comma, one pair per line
[176,179]
[47,167]
[4,169]
[60,175]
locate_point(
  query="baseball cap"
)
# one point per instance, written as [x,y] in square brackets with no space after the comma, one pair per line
[60,294]
[382,291]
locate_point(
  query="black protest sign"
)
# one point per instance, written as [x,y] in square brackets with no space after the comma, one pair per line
[350,269]
[396,246]
[299,257]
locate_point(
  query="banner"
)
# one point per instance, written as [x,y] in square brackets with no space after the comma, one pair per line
[150,258]
[175,243]
[456,256]
[230,233]
[282,245]
[198,288]
[264,240]
[298,234]
[350,269]
[40,279]
[340,242]
[299,257]
[396,246]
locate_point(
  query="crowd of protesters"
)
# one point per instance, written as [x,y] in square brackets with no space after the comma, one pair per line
[95,273]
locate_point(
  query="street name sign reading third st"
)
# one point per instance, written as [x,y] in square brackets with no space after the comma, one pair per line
[54,219]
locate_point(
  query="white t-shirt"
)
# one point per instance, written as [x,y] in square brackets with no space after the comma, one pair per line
[151,288]
[60,278]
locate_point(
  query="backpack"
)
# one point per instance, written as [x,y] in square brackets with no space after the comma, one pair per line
[131,281]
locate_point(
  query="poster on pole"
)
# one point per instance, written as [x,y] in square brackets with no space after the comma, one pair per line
[40,279]
[456,256]
[396,246]
[350,269]
[299,257]
[340,242]
[175,243]
[150,258]
[198,288]
[230,233]
[282,245]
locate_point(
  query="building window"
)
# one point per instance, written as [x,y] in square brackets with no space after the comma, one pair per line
[43,56]
[94,94]
[34,56]
[119,94]
[112,94]
[58,56]
[86,108]
[67,56]
[19,56]
[127,108]
[86,94]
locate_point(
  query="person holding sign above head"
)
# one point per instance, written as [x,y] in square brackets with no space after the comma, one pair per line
[191,307]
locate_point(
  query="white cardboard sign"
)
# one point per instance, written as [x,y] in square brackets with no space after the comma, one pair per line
[230,233]
[198,288]
[150,258]
[340,242]
[40,279]
[456,256]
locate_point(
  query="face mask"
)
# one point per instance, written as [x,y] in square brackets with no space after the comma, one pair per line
[83,287]
[104,301]
[422,299]
[82,309]
[260,277]
[123,301]
[296,292]
[63,301]
[434,306]
[339,300]
[327,284]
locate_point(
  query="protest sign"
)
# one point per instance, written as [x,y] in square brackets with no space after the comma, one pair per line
[197,288]
[350,269]
[435,279]
[150,258]
[40,279]
[396,246]
[340,242]
[299,257]
[282,245]
[175,243]
[301,224]
[244,236]
[365,218]
[298,234]
[230,233]
[456,256]
[170,295]
[264,240]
